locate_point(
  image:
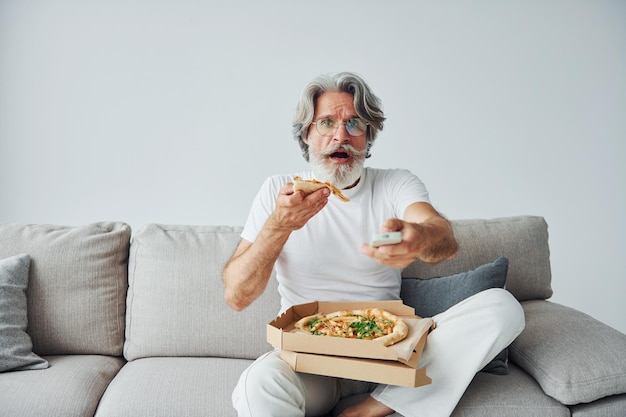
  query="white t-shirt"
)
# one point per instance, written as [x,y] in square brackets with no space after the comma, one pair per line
[321,261]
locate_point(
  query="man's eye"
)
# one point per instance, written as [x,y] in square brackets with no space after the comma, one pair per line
[327,122]
[352,123]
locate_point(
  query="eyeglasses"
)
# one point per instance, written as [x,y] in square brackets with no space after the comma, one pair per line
[354,126]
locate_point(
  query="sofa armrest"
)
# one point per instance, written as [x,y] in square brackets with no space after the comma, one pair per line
[574,357]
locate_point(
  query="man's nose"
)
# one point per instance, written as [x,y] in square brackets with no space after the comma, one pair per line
[341,134]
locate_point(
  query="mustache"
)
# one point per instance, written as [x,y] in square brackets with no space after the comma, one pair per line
[339,147]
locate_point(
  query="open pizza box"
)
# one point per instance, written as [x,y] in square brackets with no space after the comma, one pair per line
[365,360]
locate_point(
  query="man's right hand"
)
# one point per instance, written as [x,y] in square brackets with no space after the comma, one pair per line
[294,209]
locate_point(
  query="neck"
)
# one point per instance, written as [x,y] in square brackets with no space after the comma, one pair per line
[353,184]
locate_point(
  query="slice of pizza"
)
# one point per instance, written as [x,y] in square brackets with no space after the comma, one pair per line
[308,186]
[371,324]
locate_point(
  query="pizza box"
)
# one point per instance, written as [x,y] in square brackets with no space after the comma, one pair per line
[371,370]
[282,334]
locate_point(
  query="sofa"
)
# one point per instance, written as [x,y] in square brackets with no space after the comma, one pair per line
[134,324]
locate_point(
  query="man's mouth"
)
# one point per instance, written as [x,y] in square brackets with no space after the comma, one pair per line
[339,155]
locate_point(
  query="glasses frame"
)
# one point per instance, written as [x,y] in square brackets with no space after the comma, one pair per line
[316,123]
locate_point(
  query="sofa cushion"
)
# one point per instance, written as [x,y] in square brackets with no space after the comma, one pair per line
[71,386]
[574,357]
[515,394]
[190,387]
[612,406]
[432,296]
[15,344]
[176,301]
[77,289]
[523,240]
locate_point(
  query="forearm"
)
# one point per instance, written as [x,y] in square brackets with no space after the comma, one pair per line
[431,238]
[247,273]
[437,240]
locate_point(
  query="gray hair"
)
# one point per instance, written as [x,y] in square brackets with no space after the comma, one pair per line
[367,106]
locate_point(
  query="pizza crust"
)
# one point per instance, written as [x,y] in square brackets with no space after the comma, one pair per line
[340,324]
[308,186]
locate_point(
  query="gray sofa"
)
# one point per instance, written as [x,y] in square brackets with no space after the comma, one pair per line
[138,327]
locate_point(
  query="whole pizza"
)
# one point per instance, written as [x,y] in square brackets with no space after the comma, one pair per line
[372,323]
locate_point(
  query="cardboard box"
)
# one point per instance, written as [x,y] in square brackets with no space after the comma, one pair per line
[371,370]
[363,360]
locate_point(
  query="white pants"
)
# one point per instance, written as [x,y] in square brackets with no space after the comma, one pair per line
[467,337]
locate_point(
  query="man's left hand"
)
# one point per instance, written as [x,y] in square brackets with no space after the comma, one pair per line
[399,255]
[431,240]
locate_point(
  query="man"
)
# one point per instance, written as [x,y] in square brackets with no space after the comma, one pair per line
[316,244]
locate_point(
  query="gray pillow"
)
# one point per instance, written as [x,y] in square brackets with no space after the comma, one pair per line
[432,296]
[574,357]
[15,344]
[77,289]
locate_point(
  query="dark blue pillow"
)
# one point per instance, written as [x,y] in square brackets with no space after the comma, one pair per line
[431,296]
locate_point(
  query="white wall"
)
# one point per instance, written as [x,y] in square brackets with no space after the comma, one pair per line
[175,111]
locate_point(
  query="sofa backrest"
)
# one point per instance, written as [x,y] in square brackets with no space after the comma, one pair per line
[176,303]
[79,276]
[522,239]
[77,285]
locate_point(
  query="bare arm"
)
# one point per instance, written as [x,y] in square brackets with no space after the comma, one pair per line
[248,271]
[426,235]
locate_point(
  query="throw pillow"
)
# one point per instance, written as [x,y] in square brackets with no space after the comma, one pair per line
[434,295]
[574,357]
[15,344]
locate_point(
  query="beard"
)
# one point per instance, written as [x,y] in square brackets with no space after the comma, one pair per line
[341,175]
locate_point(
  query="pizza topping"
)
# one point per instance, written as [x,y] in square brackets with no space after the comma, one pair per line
[359,327]
[357,324]
[369,328]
